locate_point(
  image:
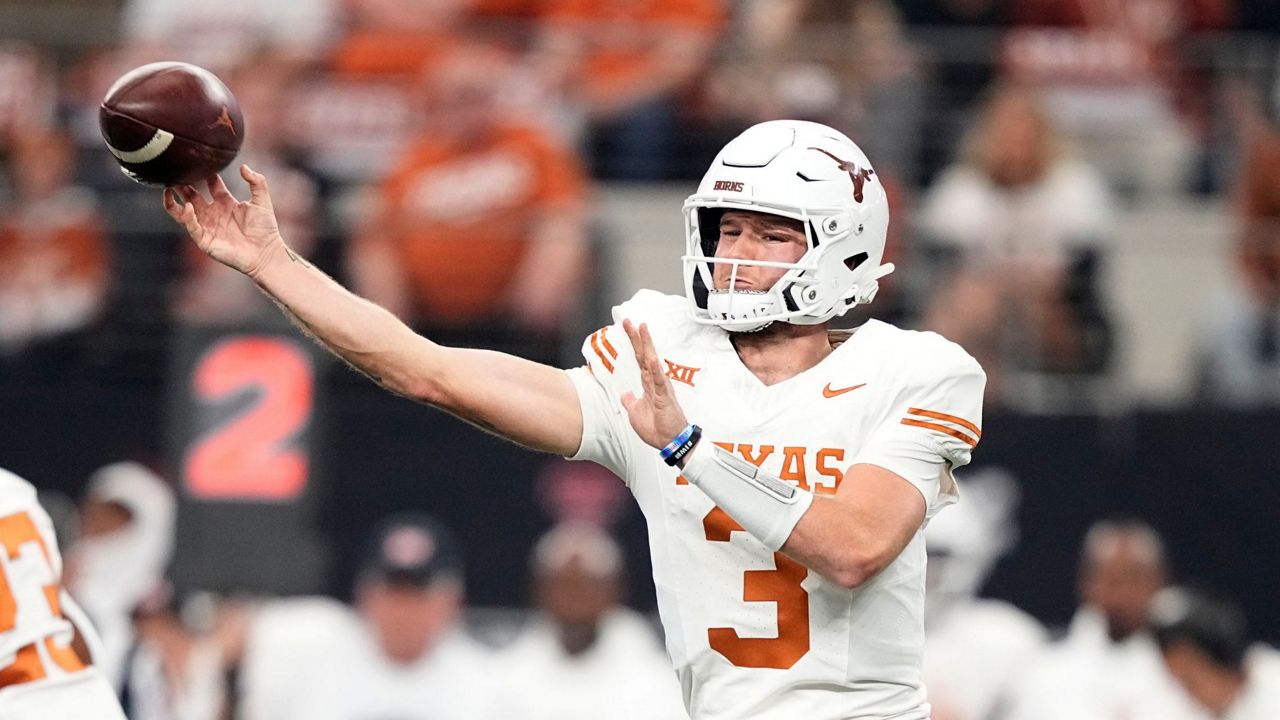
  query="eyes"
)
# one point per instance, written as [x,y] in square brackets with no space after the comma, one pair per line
[768,237]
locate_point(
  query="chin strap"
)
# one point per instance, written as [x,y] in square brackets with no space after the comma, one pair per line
[863,293]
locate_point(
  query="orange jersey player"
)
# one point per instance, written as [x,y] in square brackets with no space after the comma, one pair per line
[42,675]
[786,470]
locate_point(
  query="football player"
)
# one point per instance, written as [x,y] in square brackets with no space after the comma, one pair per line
[786,470]
[46,670]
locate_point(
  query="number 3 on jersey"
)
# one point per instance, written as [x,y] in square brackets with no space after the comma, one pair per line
[781,586]
[16,531]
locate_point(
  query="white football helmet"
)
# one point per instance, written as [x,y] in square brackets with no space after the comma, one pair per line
[807,172]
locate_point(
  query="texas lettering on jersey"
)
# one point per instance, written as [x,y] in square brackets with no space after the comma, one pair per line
[819,470]
[751,632]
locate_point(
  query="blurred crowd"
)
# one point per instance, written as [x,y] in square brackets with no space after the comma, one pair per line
[405,645]
[441,159]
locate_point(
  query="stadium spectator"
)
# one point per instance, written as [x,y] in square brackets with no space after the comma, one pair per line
[127,525]
[1108,665]
[399,653]
[28,92]
[584,656]
[1116,77]
[960,41]
[1021,229]
[397,39]
[222,35]
[1205,643]
[54,268]
[975,648]
[622,65]
[1240,332]
[483,223]
[846,64]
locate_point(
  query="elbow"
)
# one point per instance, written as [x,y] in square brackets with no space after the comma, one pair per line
[429,391]
[855,569]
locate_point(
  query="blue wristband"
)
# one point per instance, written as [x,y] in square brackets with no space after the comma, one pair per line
[675,451]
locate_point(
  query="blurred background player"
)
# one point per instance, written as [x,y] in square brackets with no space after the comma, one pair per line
[1206,645]
[584,656]
[126,540]
[398,653]
[976,648]
[1108,665]
[46,668]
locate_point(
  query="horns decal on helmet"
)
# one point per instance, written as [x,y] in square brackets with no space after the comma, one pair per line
[858,175]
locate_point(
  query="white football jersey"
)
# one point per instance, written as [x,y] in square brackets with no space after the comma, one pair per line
[316,659]
[753,633]
[41,676]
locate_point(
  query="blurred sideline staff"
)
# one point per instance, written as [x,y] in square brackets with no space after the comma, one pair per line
[127,534]
[976,648]
[583,656]
[399,653]
[1206,645]
[1108,665]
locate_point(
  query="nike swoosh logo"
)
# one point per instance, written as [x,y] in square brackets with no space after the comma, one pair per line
[828,392]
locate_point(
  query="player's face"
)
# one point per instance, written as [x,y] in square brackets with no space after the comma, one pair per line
[1210,686]
[747,235]
[572,595]
[1120,582]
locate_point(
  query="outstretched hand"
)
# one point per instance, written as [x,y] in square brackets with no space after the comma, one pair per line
[656,415]
[238,234]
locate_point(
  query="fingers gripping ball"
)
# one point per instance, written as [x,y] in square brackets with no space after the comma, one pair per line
[171,123]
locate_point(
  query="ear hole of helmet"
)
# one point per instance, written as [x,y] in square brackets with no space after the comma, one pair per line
[787,297]
[854,261]
[709,229]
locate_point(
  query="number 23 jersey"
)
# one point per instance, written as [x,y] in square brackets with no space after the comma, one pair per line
[752,633]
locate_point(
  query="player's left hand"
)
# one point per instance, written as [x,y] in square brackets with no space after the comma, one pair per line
[656,415]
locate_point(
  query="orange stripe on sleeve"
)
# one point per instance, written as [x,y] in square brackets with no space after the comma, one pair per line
[942,429]
[949,418]
[595,345]
[608,346]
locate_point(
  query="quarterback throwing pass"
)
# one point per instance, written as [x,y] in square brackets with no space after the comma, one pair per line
[786,470]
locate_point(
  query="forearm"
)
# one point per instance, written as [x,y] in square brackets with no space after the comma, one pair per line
[844,540]
[364,335]
[528,403]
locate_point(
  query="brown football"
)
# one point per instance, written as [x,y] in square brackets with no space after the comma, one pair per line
[171,123]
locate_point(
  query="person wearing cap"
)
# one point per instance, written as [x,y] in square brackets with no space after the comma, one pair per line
[397,653]
[584,656]
[1206,645]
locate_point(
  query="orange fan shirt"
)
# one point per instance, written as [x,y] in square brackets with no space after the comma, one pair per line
[619,31]
[460,213]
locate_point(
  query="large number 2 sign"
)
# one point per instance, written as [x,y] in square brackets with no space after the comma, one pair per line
[781,586]
[17,530]
[252,455]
